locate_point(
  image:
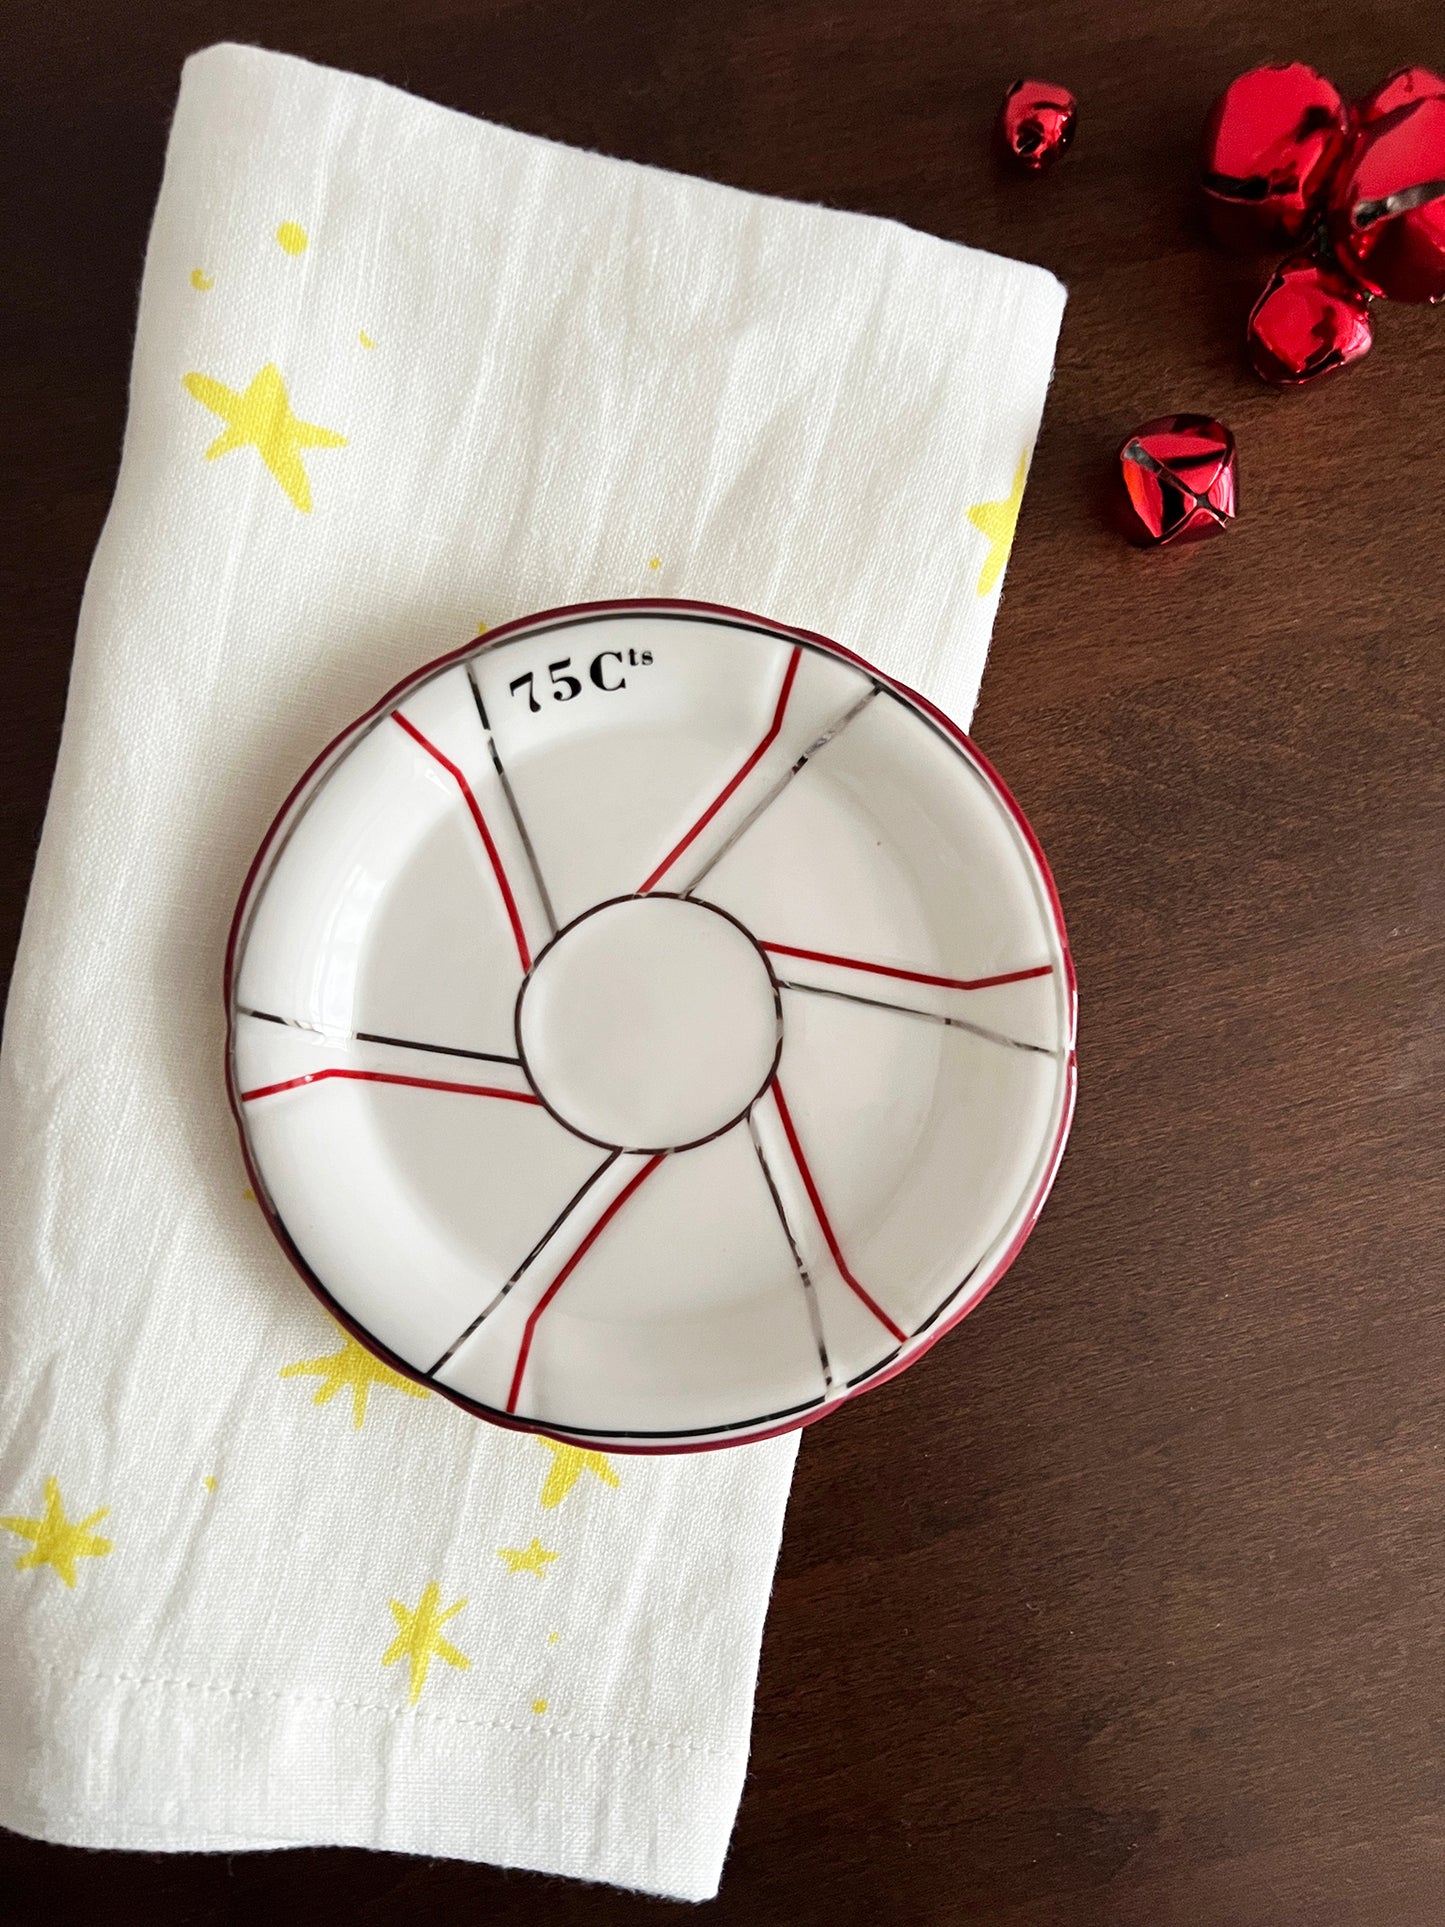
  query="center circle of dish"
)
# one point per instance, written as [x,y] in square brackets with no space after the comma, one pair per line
[651,1022]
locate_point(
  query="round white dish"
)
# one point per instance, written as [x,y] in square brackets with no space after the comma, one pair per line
[650,1025]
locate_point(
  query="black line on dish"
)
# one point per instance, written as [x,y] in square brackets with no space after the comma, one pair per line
[441,1050]
[928,1016]
[830,734]
[944,1303]
[815,1316]
[613,1432]
[886,1360]
[551,1231]
[376,1037]
[510,794]
[647,1150]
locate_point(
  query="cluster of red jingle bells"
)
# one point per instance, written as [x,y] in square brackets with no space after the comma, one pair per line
[1356,193]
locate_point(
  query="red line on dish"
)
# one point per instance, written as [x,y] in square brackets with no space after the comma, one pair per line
[571,1265]
[388,1077]
[909,976]
[817,1203]
[727,789]
[481,822]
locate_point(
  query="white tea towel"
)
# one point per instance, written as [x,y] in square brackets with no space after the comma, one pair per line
[399,374]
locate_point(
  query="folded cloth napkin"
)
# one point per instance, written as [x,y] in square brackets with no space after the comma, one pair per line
[398,374]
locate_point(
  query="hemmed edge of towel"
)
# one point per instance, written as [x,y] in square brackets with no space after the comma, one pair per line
[154,1765]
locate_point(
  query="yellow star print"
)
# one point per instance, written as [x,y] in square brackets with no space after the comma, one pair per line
[355,1367]
[260,417]
[569,1462]
[420,1638]
[57,1541]
[996,520]
[532,1558]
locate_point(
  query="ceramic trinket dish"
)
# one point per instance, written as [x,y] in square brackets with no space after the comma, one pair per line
[651,1025]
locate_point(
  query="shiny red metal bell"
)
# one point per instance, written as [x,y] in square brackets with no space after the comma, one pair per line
[1271,142]
[1037,122]
[1403,86]
[1179,479]
[1310,320]
[1387,202]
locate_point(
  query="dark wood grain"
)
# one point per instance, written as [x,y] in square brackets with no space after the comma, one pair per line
[1128,1605]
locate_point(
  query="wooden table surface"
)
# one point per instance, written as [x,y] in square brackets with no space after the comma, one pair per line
[1127,1605]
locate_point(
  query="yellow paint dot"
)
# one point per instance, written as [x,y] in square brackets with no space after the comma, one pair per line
[364,338]
[249,1195]
[552,1638]
[200,282]
[209,1482]
[539,1706]
[481,628]
[655,562]
[291,237]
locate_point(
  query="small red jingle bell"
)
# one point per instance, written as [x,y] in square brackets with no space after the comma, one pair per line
[1179,479]
[1403,86]
[1037,122]
[1271,141]
[1310,320]
[1387,204]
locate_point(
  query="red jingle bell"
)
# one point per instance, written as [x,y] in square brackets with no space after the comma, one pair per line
[1409,83]
[1271,141]
[1179,479]
[1310,320]
[1387,203]
[1036,122]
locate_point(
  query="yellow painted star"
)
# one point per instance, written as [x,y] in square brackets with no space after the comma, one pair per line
[996,520]
[57,1541]
[569,1462]
[260,417]
[419,1638]
[355,1367]
[532,1558]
